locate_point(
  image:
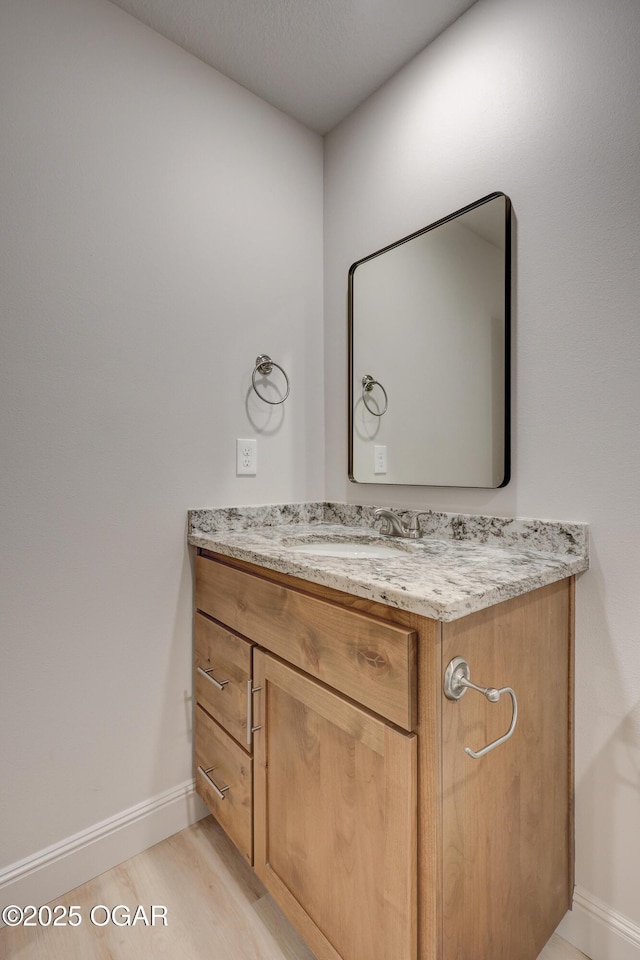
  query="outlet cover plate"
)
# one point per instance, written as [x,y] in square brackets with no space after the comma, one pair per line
[246,458]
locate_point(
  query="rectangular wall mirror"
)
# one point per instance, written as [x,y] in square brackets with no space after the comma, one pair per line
[429,345]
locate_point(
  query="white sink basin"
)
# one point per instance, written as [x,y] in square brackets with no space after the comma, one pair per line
[344,548]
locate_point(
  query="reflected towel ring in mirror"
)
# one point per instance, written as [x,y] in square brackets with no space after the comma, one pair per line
[368,383]
[264,365]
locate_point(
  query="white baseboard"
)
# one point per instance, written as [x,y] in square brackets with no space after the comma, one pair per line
[598,931]
[57,869]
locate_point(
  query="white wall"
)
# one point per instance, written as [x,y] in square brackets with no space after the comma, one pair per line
[160,227]
[539,99]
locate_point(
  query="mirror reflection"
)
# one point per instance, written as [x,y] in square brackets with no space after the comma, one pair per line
[429,326]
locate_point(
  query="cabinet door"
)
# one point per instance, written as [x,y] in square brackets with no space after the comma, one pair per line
[334,817]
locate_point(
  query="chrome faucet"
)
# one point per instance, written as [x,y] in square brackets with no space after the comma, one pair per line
[394,526]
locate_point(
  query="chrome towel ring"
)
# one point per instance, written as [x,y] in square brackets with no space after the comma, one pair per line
[368,383]
[264,365]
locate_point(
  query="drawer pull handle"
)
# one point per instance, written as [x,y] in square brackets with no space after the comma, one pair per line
[218,684]
[250,727]
[219,791]
[457,682]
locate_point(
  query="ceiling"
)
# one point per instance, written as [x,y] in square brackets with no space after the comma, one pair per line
[314,59]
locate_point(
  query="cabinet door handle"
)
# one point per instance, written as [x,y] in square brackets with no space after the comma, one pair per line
[250,727]
[218,684]
[219,791]
[457,682]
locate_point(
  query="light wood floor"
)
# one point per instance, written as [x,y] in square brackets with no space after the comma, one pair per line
[216,909]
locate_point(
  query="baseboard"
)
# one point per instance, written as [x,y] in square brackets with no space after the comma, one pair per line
[598,931]
[57,869]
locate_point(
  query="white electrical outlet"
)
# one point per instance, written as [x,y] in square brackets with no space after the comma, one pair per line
[246,458]
[379,458]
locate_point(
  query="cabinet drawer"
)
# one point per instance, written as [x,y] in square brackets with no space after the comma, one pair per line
[219,758]
[369,660]
[224,692]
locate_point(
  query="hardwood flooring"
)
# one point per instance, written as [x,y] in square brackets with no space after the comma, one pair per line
[215,908]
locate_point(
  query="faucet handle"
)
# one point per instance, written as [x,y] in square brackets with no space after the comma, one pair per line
[414,529]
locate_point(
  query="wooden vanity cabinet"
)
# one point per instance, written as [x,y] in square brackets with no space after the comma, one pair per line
[373,829]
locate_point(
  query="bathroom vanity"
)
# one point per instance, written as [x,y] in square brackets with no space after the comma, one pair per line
[394,810]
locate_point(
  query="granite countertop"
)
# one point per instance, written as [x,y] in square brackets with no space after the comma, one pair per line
[461,564]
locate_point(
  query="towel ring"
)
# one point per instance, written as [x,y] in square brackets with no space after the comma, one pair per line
[264,365]
[368,383]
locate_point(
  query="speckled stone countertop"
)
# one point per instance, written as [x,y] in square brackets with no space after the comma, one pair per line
[460,564]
